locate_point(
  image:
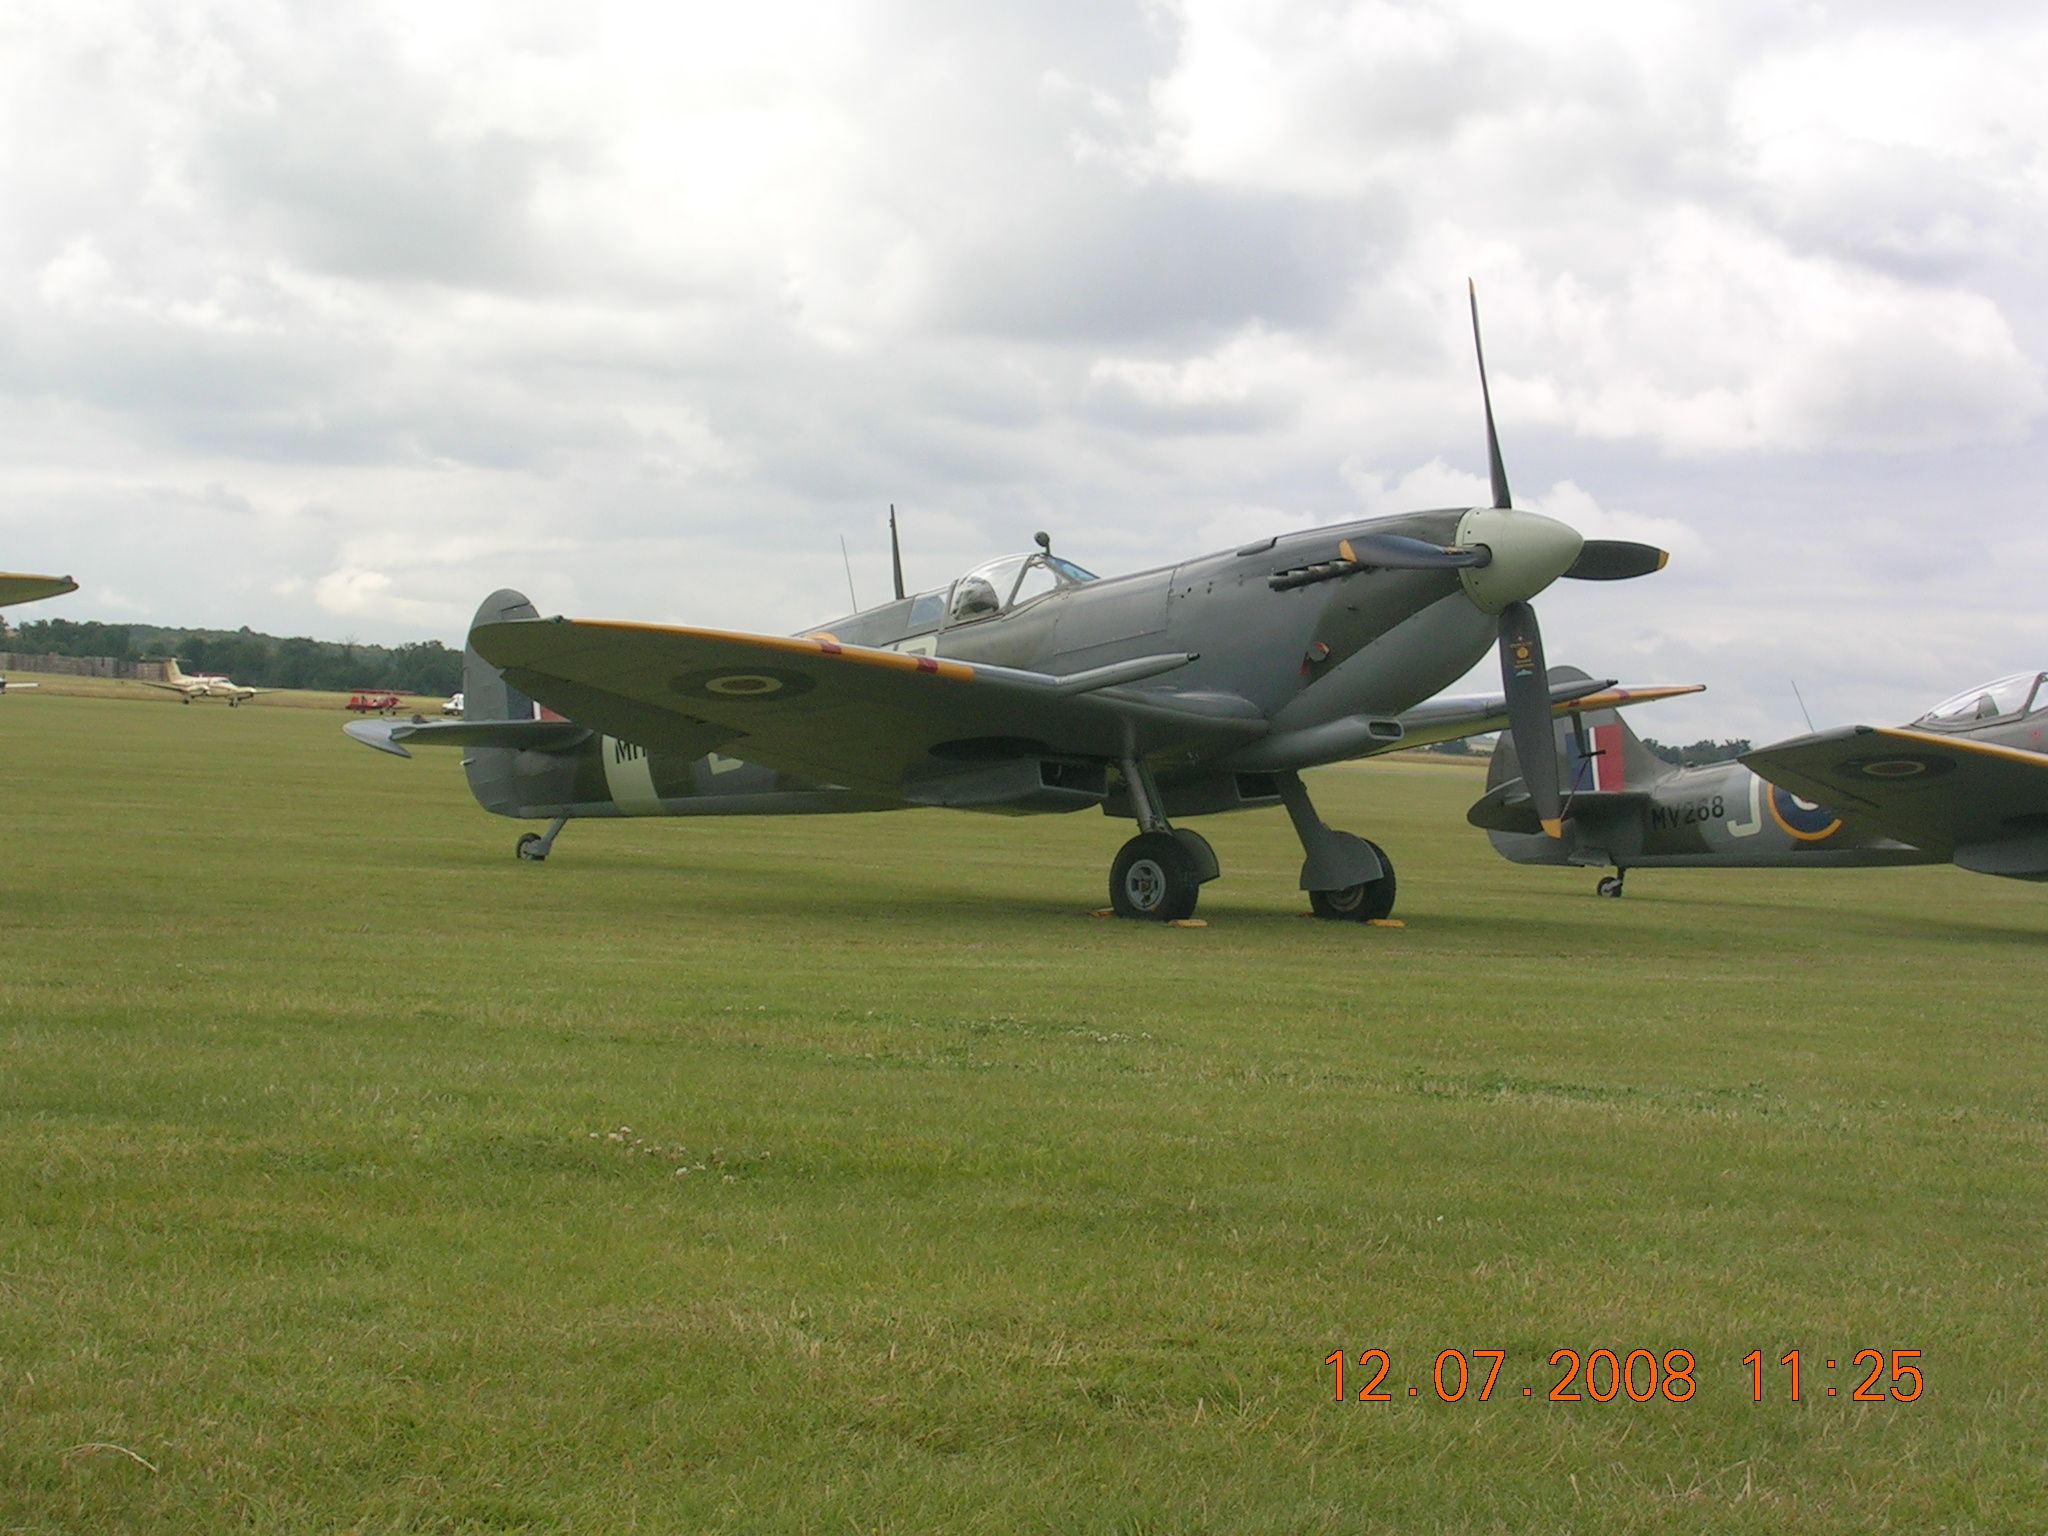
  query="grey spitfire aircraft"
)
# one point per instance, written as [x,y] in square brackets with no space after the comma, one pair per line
[1030,685]
[1966,783]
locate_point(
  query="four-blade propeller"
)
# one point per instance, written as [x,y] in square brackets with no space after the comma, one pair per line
[1521,639]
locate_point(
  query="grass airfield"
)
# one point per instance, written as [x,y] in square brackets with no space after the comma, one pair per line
[841,1175]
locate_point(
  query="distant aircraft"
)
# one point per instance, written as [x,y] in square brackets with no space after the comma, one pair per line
[204,685]
[1966,783]
[1030,685]
[7,687]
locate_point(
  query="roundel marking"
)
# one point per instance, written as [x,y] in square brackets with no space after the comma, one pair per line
[1901,765]
[743,685]
[1802,820]
[733,685]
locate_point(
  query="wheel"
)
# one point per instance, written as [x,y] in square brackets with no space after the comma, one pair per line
[1367,903]
[531,847]
[1610,885]
[1154,878]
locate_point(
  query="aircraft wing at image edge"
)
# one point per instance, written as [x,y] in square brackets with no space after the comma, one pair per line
[22,588]
[1981,804]
[844,714]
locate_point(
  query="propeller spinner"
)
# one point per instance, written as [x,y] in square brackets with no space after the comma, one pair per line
[1528,553]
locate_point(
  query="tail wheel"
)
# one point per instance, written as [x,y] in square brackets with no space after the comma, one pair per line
[1154,878]
[531,847]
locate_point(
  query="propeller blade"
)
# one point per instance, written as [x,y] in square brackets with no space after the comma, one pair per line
[1493,464]
[1398,552]
[1529,719]
[1616,560]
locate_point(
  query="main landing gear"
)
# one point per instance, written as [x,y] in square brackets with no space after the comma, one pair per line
[1610,885]
[1159,874]
[1347,878]
[534,846]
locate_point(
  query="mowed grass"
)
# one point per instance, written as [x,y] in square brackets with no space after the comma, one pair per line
[840,1174]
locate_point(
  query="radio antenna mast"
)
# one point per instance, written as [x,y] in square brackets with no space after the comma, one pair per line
[1802,702]
[895,551]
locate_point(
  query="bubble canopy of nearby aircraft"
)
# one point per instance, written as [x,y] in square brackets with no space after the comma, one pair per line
[2019,694]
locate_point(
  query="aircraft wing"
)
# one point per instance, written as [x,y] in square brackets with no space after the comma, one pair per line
[873,720]
[1946,794]
[17,588]
[1473,714]
[394,736]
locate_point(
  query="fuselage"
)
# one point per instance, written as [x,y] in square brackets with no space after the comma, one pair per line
[1720,815]
[1300,653]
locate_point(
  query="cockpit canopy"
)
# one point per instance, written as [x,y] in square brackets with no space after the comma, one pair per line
[996,588]
[999,587]
[1999,700]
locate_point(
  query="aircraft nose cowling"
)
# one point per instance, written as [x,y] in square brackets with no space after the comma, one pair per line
[1530,551]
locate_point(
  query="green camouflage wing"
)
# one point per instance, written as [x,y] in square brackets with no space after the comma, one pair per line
[1936,792]
[865,719]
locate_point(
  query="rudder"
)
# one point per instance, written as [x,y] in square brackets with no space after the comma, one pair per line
[507,780]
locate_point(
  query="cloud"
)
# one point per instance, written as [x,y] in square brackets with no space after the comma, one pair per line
[349,316]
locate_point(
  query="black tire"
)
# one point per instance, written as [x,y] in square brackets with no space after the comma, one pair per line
[1371,902]
[1153,879]
[1610,885]
[528,842]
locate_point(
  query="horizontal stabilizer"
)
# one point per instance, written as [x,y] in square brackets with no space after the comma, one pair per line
[394,736]
[1509,808]
[1447,718]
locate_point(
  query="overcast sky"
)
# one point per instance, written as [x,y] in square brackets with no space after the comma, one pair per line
[329,319]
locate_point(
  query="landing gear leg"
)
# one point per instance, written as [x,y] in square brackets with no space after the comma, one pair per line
[1347,878]
[1610,885]
[1159,874]
[534,846]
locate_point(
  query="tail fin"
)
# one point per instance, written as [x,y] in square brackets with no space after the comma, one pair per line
[1597,752]
[485,693]
[508,780]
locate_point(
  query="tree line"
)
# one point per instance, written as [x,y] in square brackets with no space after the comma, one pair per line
[261,661]
[1699,753]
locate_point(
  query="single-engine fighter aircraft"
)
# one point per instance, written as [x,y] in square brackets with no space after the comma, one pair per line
[203,685]
[19,588]
[1966,783]
[1030,685]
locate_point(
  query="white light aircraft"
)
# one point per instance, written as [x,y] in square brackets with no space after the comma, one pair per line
[204,685]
